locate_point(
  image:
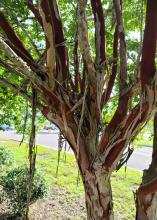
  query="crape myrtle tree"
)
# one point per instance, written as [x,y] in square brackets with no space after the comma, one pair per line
[74,78]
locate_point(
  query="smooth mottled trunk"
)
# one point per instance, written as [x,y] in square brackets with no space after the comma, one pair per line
[146,199]
[147,207]
[98,195]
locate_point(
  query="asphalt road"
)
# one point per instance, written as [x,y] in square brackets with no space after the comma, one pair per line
[139,160]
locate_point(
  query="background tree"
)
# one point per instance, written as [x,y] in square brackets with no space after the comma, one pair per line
[75,75]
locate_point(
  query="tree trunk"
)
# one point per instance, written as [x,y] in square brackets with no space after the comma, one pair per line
[146,196]
[98,195]
[147,207]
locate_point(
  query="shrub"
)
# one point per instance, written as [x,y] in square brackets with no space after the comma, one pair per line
[6,157]
[15,186]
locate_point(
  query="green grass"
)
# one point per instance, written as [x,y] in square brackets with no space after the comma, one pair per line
[123,183]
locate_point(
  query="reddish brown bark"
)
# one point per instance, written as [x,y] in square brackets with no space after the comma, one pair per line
[149,44]
[107,93]
[75,104]
[53,16]
[35,11]
[99,22]
[18,46]
[98,195]
[146,195]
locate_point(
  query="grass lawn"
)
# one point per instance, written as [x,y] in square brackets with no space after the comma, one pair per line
[123,183]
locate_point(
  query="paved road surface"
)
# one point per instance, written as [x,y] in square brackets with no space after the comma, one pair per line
[43,138]
[140,159]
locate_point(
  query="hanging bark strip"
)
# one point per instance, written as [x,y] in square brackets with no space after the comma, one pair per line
[32,149]
[60,148]
[25,124]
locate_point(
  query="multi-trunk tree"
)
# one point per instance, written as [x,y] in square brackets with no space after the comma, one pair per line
[74,82]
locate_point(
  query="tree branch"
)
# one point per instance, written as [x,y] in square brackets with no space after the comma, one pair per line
[18,46]
[35,11]
[60,40]
[56,43]
[148,188]
[123,59]
[84,39]
[125,91]
[9,11]
[50,39]
[9,68]
[107,93]
[99,23]
[15,88]
[76,63]
[25,70]
[149,44]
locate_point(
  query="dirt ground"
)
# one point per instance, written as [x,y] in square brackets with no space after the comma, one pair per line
[58,205]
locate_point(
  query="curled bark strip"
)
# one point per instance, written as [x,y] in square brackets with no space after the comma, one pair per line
[99,23]
[149,46]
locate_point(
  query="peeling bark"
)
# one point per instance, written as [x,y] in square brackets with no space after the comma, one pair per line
[146,196]
[75,103]
[98,195]
[50,42]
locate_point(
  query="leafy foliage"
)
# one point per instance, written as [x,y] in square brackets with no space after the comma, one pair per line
[15,186]
[6,158]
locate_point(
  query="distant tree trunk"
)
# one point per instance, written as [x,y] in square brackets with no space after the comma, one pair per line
[98,195]
[146,203]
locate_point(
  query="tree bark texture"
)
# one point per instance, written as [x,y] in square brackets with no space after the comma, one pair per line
[146,202]
[75,100]
[98,195]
